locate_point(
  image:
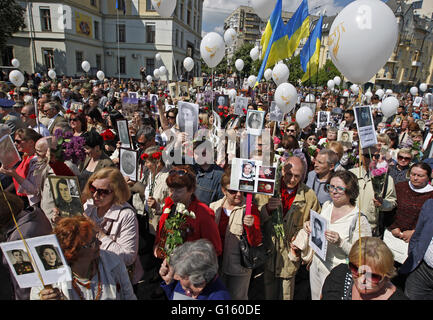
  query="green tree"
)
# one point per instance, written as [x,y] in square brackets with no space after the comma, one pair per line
[12,18]
[327,72]
[221,68]
[249,66]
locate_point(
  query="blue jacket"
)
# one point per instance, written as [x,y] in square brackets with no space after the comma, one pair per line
[214,290]
[420,239]
[208,188]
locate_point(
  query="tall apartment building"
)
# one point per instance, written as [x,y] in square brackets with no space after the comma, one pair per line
[61,34]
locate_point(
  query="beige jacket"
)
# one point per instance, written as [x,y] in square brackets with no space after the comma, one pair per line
[160,192]
[279,262]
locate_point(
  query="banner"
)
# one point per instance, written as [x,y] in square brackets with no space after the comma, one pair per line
[83,25]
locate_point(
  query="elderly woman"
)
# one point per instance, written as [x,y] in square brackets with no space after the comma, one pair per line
[96,274]
[193,273]
[411,196]
[25,141]
[181,182]
[32,223]
[368,279]
[399,171]
[341,213]
[232,224]
[107,194]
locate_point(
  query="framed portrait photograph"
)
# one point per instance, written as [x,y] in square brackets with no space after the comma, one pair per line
[230,83]
[275,113]
[187,117]
[123,132]
[221,100]
[9,155]
[184,90]
[173,89]
[133,97]
[76,106]
[317,239]
[47,257]
[345,136]
[254,122]
[417,101]
[128,163]
[197,82]
[323,118]
[365,125]
[241,103]
[67,195]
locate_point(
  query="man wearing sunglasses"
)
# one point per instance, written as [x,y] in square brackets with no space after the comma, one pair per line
[366,200]
[29,118]
[399,171]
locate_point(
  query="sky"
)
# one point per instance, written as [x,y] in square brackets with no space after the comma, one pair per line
[215,11]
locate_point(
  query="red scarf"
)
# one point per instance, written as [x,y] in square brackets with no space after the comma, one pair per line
[22,170]
[286,197]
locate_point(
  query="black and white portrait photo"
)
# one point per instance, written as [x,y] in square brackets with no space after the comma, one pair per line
[417,101]
[122,129]
[248,170]
[187,117]
[366,129]
[133,97]
[323,118]
[128,163]
[318,226]
[363,116]
[21,262]
[66,194]
[241,103]
[49,256]
[154,100]
[9,155]
[275,113]
[174,90]
[183,90]
[345,136]
[255,121]
[221,100]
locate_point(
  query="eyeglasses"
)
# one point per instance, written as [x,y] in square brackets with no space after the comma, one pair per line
[24,114]
[73,119]
[290,130]
[372,277]
[102,192]
[171,117]
[315,139]
[332,188]
[233,192]
[18,141]
[180,172]
[91,244]
[404,158]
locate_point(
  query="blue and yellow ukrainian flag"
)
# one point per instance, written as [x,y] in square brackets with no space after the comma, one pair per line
[298,27]
[311,51]
[274,41]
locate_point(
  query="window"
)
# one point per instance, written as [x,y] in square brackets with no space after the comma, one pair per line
[149,6]
[181,39]
[97,30]
[45,19]
[7,55]
[177,38]
[48,58]
[150,65]
[78,60]
[121,62]
[93,3]
[121,33]
[150,33]
[181,11]
[98,62]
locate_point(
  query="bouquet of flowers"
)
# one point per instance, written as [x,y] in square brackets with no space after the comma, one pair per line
[312,150]
[175,229]
[378,176]
[69,147]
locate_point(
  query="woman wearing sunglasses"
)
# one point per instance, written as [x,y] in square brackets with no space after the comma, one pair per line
[97,274]
[341,214]
[232,224]
[368,279]
[399,171]
[181,182]
[107,194]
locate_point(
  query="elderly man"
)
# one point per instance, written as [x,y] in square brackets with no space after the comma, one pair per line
[366,200]
[29,118]
[51,110]
[65,97]
[317,178]
[296,201]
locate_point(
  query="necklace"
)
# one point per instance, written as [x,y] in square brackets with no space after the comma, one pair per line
[86,285]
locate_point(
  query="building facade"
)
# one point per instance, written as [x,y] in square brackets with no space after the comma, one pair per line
[62,34]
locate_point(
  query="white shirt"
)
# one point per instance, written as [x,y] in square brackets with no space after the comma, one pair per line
[41,129]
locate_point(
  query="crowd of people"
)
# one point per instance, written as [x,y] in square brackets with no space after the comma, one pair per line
[115,239]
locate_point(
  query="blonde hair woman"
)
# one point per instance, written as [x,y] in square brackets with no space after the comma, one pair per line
[107,194]
[368,279]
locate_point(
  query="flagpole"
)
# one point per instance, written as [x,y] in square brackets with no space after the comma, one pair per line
[118,45]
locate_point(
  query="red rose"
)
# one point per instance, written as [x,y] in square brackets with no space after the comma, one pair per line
[161,148]
[156,155]
[144,156]
[206,108]
[220,107]
[68,111]
[32,116]
[108,135]
[226,108]
[220,114]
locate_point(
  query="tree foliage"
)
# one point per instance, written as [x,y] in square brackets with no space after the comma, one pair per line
[12,18]
[327,72]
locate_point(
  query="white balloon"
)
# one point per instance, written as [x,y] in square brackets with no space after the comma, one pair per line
[304,116]
[16,77]
[388,91]
[389,106]
[280,73]
[188,64]
[286,97]
[263,8]
[254,53]
[162,71]
[229,36]
[380,93]
[252,81]
[239,64]
[156,74]
[52,74]
[149,78]
[310,98]
[354,88]
[414,91]
[165,8]
[369,94]
[337,80]
[100,75]
[362,38]
[158,57]
[423,87]
[212,49]
[268,74]
[85,65]
[331,84]
[15,62]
